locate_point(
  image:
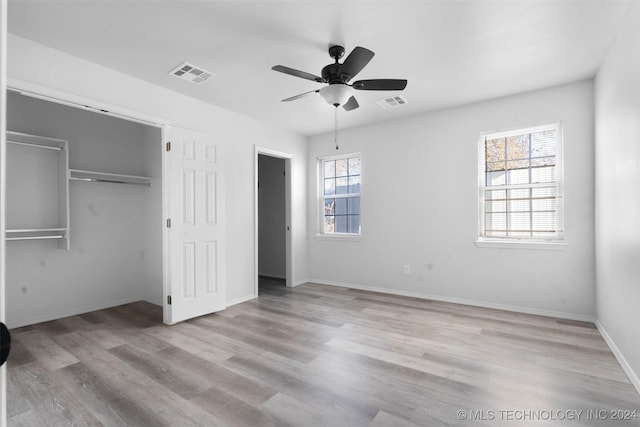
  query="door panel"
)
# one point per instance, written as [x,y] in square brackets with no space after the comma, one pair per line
[196,237]
[212,267]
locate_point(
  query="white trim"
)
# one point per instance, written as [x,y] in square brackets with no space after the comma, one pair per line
[251,297]
[289,253]
[519,130]
[3,146]
[166,268]
[344,237]
[340,156]
[73,312]
[273,153]
[81,102]
[626,367]
[522,244]
[154,301]
[241,300]
[462,301]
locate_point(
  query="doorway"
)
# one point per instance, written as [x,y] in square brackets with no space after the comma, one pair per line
[273,225]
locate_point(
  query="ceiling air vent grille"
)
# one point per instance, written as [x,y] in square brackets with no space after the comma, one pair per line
[392,102]
[191,73]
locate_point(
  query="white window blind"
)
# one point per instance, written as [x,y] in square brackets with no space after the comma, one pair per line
[521,184]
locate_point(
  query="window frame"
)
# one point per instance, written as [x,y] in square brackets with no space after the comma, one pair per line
[321,198]
[557,241]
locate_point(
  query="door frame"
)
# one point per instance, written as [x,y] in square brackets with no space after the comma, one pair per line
[289,255]
[3,145]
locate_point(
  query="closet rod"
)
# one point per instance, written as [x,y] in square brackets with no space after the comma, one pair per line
[33,144]
[34,230]
[111,181]
[34,237]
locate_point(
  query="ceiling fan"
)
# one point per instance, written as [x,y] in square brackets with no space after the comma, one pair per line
[339,92]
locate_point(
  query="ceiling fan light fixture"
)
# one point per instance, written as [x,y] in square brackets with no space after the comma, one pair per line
[336,94]
[338,75]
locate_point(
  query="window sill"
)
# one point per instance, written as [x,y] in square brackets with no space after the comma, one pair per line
[558,245]
[339,237]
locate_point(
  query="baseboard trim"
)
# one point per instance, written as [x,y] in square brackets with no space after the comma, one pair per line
[153,301]
[68,313]
[462,301]
[626,367]
[241,300]
[300,282]
[252,296]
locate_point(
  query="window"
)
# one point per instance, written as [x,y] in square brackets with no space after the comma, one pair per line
[521,184]
[340,194]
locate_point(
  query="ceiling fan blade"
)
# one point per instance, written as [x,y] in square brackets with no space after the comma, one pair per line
[297,73]
[302,95]
[355,62]
[351,104]
[380,84]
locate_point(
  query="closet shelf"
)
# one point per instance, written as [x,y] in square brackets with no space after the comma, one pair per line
[92,176]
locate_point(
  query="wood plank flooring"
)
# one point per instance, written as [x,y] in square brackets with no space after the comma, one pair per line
[316,356]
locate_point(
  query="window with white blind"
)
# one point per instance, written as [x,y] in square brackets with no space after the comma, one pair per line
[340,194]
[521,184]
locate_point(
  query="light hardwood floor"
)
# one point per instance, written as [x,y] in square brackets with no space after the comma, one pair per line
[316,356]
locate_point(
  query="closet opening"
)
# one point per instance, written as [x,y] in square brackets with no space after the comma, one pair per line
[83,211]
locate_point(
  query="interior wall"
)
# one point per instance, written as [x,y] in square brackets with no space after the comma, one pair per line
[618,194]
[106,263]
[420,208]
[38,65]
[271,217]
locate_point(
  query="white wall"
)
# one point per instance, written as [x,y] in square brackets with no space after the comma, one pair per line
[36,64]
[420,208]
[271,217]
[618,194]
[108,257]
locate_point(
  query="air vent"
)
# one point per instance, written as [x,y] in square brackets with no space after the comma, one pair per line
[392,102]
[191,73]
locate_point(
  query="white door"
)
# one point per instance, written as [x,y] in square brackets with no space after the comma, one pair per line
[195,229]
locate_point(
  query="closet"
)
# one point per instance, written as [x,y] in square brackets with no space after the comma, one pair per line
[83,211]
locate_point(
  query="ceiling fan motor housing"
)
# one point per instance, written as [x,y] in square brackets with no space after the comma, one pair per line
[331,73]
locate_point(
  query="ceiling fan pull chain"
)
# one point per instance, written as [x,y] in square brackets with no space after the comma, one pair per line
[335,135]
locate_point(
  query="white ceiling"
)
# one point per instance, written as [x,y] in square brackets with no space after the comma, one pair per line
[452,52]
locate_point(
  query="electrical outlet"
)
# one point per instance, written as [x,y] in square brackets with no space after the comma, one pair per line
[406,270]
